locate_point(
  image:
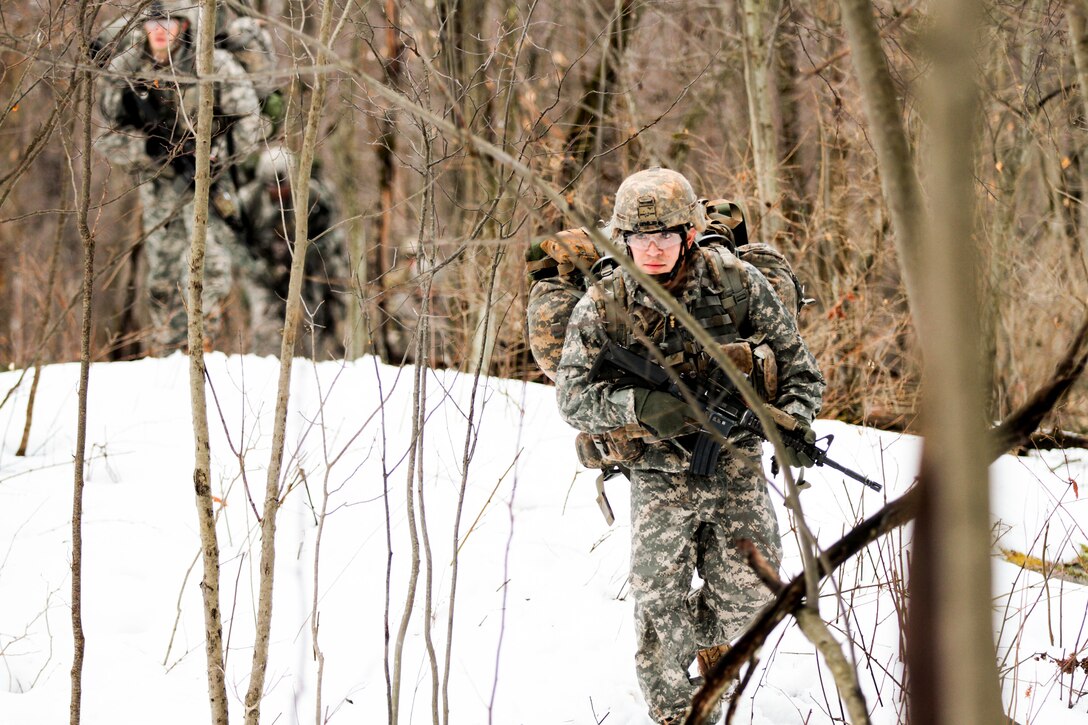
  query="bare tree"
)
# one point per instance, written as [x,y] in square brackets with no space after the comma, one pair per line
[209,544]
[950,609]
[82,83]
[300,194]
[760,29]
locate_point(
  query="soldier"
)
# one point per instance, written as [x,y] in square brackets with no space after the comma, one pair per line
[149,102]
[681,522]
[267,203]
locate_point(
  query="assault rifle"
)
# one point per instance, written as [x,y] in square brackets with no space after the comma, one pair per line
[723,407]
[168,141]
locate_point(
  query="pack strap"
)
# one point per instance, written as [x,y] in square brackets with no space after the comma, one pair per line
[734,294]
[710,312]
[610,298]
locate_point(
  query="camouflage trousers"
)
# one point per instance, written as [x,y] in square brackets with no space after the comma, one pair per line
[168,222]
[168,215]
[682,524]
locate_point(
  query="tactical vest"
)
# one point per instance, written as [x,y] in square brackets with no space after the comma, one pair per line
[722,312]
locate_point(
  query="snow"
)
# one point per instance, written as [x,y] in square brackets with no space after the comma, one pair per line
[543,631]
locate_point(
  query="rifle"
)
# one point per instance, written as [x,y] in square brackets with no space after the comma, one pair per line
[168,142]
[723,407]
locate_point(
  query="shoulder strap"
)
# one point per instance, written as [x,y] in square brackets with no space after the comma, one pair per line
[611,301]
[728,275]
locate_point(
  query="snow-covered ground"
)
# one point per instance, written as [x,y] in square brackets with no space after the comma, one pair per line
[543,631]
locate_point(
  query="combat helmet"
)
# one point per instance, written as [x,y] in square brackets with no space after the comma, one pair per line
[188,10]
[654,200]
[274,165]
[162,9]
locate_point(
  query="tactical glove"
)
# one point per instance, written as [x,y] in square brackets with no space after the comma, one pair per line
[185,166]
[660,413]
[795,458]
[136,110]
[157,147]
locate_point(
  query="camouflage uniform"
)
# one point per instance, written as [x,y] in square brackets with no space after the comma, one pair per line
[269,237]
[166,193]
[682,522]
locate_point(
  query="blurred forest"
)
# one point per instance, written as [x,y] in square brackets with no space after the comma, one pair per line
[752,101]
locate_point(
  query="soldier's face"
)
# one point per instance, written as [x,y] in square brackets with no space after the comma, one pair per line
[162,33]
[657,253]
[279,193]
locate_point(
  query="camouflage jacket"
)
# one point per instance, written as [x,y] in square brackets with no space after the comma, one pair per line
[270,225]
[238,125]
[602,406]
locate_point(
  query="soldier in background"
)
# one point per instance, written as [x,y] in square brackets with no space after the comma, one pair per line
[268,210]
[148,99]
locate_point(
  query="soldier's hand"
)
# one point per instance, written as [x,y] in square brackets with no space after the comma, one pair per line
[185,166]
[660,413]
[157,147]
[134,109]
[799,459]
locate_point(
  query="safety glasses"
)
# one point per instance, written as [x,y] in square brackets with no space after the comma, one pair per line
[171,25]
[665,240]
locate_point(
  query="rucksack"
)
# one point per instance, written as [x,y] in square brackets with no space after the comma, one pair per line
[557,268]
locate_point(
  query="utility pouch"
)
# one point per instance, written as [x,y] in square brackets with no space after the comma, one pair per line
[740,354]
[603,450]
[765,372]
[588,453]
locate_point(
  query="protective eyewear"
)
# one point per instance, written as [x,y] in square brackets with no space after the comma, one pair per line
[664,241]
[169,24]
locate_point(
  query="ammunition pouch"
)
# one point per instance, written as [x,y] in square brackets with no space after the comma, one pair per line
[756,360]
[602,450]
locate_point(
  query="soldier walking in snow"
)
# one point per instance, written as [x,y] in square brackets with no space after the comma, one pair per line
[148,99]
[268,208]
[682,522]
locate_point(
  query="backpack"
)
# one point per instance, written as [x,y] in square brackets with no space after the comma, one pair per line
[556,269]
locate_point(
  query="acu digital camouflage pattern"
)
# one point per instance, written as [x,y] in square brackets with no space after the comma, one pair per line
[776,268]
[682,522]
[269,237]
[656,199]
[166,196]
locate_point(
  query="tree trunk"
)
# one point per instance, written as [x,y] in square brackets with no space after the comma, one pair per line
[1078,31]
[951,588]
[209,544]
[596,101]
[86,95]
[383,255]
[898,177]
[796,168]
[300,192]
[951,659]
[759,24]
[350,173]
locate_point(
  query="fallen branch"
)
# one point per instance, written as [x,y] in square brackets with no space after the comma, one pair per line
[1053,439]
[1013,432]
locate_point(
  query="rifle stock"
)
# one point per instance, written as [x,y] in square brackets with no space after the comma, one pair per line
[724,409]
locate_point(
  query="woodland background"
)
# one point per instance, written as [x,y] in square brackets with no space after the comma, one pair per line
[921,164]
[756,102]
